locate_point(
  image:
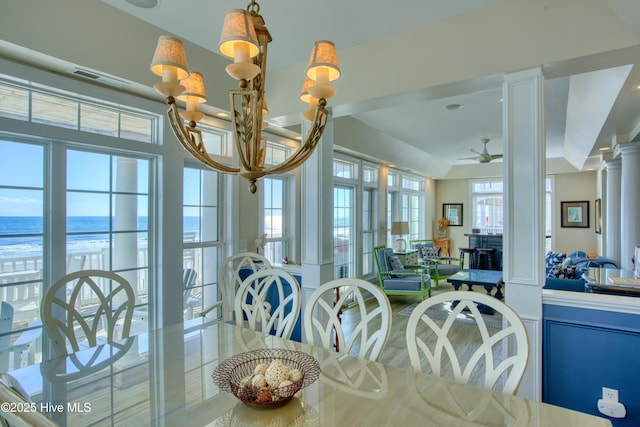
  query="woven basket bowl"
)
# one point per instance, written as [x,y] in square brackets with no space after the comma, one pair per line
[229,373]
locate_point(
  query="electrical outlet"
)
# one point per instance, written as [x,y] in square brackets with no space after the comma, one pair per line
[609,394]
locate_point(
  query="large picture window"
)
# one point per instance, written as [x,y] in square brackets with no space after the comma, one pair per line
[487,203]
[71,205]
[406,203]
[201,240]
[369,217]
[275,214]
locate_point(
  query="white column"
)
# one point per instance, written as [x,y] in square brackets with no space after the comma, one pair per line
[630,203]
[524,213]
[317,213]
[612,208]
[125,245]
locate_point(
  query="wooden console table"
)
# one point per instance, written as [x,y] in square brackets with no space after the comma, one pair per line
[443,244]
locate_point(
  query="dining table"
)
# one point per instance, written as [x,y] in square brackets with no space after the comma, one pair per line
[164,378]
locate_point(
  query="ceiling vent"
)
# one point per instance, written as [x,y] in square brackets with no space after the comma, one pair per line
[101,78]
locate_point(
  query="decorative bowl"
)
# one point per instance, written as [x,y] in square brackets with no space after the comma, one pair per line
[229,376]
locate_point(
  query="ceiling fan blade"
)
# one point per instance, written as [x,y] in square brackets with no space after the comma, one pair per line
[496,156]
[469,158]
[475,151]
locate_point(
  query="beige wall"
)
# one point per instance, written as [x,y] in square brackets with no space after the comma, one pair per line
[454,191]
[575,187]
[568,187]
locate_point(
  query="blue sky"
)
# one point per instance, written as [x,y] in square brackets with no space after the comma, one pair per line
[22,167]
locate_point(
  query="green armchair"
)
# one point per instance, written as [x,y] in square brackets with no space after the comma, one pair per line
[396,279]
[438,267]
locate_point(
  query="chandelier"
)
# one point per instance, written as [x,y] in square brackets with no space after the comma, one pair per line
[244,38]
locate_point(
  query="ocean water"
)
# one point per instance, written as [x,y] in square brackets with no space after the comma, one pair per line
[84,233]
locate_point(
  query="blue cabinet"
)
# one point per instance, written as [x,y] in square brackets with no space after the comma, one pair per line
[585,350]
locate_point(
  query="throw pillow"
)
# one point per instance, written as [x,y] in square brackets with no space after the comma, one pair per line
[395,263]
[429,252]
[564,272]
[552,259]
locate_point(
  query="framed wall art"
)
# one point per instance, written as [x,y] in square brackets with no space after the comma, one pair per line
[574,214]
[453,212]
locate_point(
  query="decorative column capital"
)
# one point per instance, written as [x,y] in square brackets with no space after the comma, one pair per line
[629,148]
[613,164]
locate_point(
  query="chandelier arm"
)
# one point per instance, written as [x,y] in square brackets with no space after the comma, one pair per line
[307,147]
[191,140]
[246,128]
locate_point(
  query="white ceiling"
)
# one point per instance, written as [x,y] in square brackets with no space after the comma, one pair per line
[423,124]
[585,109]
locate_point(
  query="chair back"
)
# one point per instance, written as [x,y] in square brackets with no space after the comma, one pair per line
[382,255]
[323,326]
[6,323]
[496,362]
[69,323]
[426,248]
[12,392]
[191,296]
[232,273]
[269,301]
[189,276]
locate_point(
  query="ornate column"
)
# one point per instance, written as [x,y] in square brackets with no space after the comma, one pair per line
[524,210]
[612,208]
[629,203]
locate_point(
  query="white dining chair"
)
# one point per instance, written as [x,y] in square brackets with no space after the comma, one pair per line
[269,301]
[322,324]
[12,393]
[230,275]
[87,308]
[497,362]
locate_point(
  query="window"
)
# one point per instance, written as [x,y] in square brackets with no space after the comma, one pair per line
[22,196]
[106,225]
[201,240]
[57,109]
[275,213]
[405,202]
[368,230]
[343,231]
[486,201]
[369,217]
[68,206]
[108,218]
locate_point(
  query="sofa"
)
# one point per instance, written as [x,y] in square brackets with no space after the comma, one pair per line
[564,272]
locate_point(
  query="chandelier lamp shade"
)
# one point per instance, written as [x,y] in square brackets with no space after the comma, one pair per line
[244,38]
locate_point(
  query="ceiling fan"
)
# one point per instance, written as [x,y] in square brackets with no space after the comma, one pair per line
[483,157]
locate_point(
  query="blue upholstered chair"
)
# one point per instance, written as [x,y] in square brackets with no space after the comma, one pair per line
[396,279]
[438,268]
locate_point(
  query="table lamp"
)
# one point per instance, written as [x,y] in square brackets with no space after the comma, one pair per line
[400,228]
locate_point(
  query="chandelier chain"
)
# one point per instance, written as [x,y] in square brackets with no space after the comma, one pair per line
[253,7]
